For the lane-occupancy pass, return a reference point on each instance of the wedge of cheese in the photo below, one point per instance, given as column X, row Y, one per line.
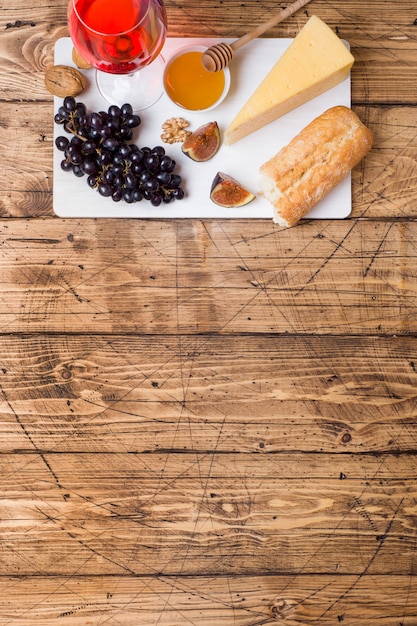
column 316, row 60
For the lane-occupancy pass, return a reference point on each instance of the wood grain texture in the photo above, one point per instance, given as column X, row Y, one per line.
column 301, row 395
column 123, row 514
column 210, row 423
column 165, row 600
column 351, row 277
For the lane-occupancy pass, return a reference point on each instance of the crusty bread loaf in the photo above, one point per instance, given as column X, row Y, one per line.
column 313, row 163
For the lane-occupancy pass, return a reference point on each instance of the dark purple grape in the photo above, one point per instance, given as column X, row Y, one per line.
column 178, row 193
column 105, row 189
column 81, row 109
column 62, row 143
column 131, row 181
column 104, row 158
column 166, row 164
column 114, row 110
column 70, row 103
column 94, row 134
column 62, row 111
column 66, row 165
column 159, row 150
column 90, row 167
column 137, row 168
column 95, row 120
column 133, row 121
column 128, row 196
column 114, row 124
column 78, row 171
column 117, row 169
column 164, row 178
column 83, row 131
column 175, row 181
column 76, row 141
column 76, row 158
column 117, row 194
column 125, row 151
column 137, row 155
column 144, row 176
column 89, row 147
column 126, row 109
column 137, row 195
column 111, row 144
column 108, row 177
column 117, row 159
column 126, row 133
column 168, row 197
column 156, row 199
column 59, row 119
column 150, row 185
column 118, row 180
column 151, row 162
column 104, row 131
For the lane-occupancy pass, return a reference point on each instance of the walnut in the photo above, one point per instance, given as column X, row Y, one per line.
column 175, row 130
column 63, row 80
column 78, row 60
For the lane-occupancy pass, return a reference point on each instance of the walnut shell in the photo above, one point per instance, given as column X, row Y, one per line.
column 78, row 60
column 63, row 80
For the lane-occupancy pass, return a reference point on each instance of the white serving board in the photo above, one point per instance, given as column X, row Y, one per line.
column 73, row 198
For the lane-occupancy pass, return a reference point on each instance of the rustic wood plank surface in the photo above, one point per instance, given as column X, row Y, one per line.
column 210, row 422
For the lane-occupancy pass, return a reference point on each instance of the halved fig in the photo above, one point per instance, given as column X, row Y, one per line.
column 228, row 192
column 203, row 143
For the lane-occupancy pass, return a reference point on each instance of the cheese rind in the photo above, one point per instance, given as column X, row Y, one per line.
column 316, row 60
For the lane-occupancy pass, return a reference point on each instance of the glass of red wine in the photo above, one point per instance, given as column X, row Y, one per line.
column 122, row 39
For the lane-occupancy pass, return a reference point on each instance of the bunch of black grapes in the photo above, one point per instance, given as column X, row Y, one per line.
column 100, row 148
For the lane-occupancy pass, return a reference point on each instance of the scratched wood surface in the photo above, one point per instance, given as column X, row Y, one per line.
column 210, row 422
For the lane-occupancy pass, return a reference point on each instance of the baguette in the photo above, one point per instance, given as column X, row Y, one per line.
column 313, row 163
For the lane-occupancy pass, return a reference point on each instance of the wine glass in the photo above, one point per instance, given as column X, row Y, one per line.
column 122, row 39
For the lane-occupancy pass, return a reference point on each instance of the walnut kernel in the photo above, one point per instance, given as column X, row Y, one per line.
column 175, row 130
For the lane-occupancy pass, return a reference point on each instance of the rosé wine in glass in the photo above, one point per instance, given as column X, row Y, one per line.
column 120, row 37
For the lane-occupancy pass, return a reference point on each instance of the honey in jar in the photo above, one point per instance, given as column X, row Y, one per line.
column 190, row 85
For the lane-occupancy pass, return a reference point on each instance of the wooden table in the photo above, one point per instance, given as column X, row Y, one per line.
column 210, row 422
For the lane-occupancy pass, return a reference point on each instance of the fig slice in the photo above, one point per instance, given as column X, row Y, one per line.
column 228, row 192
column 203, row 143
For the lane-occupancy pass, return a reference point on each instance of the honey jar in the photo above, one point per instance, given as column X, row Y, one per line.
column 189, row 85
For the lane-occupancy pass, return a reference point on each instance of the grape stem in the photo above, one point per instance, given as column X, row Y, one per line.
column 72, row 127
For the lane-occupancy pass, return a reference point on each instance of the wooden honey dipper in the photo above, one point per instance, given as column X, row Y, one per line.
column 217, row 57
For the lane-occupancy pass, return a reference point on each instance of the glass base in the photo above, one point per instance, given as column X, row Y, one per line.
column 140, row 89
